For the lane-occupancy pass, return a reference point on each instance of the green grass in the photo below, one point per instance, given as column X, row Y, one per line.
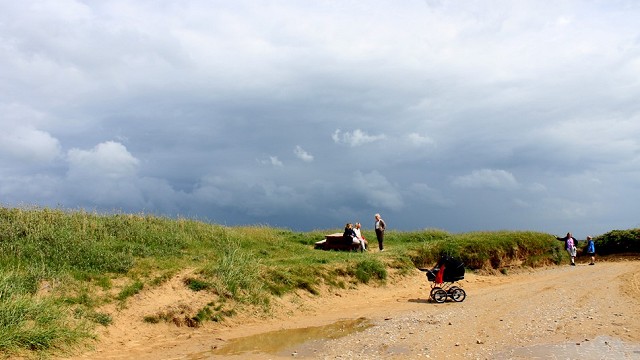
column 369, row 269
column 58, row 268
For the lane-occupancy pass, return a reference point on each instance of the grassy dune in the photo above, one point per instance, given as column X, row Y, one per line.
column 58, row 268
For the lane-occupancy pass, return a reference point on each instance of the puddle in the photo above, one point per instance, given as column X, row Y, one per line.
column 601, row 347
column 275, row 342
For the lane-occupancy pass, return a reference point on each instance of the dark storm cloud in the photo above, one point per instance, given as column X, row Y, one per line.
column 450, row 115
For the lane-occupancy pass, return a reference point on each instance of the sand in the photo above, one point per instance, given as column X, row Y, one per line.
column 582, row 311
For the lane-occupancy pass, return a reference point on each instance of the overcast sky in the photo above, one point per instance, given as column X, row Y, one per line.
column 456, row 115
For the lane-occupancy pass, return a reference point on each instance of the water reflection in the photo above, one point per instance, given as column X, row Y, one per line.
column 277, row 341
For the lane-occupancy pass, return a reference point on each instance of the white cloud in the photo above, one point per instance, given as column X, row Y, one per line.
column 29, row 144
column 109, row 160
column 419, row 140
column 302, row 154
column 487, row 178
column 355, row 138
column 273, row 161
column 106, row 176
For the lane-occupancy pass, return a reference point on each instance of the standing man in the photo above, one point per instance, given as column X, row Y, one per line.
column 380, row 226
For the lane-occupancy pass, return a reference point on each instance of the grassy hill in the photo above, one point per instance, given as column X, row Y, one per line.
column 59, row 268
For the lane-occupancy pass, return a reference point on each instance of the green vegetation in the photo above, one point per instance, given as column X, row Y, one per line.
column 489, row 250
column 58, row 269
column 618, row 242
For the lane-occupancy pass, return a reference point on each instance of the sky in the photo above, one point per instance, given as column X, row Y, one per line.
column 304, row 115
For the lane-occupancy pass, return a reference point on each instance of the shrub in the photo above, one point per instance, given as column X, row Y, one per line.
column 618, row 241
column 490, row 249
column 280, row 281
column 197, row 284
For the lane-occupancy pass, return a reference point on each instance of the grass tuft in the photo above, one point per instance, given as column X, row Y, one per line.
column 130, row 290
column 370, row 269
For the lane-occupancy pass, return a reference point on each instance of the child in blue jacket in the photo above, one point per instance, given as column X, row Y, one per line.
column 591, row 250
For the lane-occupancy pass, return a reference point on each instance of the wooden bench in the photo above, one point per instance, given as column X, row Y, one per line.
column 335, row 241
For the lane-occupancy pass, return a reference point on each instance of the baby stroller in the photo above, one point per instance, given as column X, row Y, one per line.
column 447, row 271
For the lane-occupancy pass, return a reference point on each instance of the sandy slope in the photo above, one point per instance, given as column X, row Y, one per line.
column 583, row 308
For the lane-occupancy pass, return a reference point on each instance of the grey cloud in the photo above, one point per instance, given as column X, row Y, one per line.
column 254, row 197
column 487, row 178
column 424, row 192
column 378, row 190
column 444, row 114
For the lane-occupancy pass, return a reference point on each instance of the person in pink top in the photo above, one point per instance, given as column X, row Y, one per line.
column 570, row 245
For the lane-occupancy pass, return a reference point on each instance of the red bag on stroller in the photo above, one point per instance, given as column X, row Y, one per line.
column 439, row 275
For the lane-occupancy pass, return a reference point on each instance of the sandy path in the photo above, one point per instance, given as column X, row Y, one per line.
column 583, row 306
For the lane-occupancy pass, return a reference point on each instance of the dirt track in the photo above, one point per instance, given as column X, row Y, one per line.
column 590, row 312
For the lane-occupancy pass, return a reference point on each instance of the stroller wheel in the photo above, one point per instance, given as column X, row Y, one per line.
column 439, row 296
column 433, row 290
column 457, row 294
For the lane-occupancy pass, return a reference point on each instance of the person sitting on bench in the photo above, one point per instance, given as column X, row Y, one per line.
column 348, row 234
column 363, row 241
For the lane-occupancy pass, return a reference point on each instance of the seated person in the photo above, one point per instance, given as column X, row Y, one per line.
column 363, row 241
column 349, row 235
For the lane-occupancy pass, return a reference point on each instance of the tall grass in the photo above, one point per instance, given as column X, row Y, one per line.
column 235, row 273
column 28, row 322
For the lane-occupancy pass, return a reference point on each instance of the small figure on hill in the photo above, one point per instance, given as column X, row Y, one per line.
column 570, row 246
column 380, row 226
column 591, row 250
column 363, row 241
